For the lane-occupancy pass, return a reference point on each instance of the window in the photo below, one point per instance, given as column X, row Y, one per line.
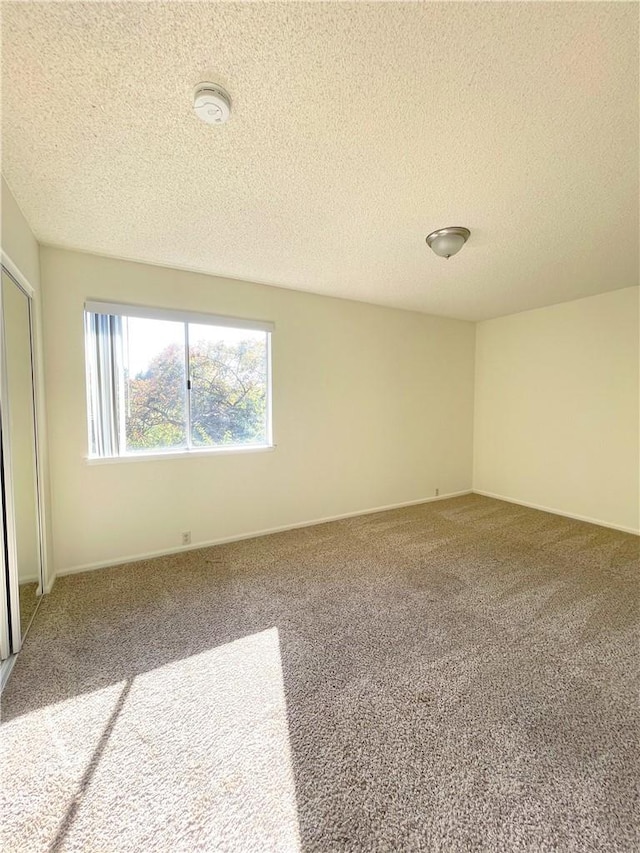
column 172, row 382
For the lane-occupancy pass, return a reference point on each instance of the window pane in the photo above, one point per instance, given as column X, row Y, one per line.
column 155, row 384
column 228, row 371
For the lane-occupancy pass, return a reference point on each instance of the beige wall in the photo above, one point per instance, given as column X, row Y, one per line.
column 17, row 239
column 556, row 408
column 371, row 407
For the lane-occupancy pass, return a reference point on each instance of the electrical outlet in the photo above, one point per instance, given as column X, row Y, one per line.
column 437, row 492
column 186, row 537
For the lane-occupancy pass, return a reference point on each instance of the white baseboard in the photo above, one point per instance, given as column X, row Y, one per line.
column 553, row 511
column 135, row 558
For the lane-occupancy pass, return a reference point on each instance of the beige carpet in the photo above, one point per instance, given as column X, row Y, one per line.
column 457, row 676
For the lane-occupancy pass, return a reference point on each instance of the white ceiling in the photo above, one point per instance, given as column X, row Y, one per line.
column 356, row 129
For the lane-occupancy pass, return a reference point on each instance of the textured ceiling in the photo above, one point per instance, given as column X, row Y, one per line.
column 356, row 129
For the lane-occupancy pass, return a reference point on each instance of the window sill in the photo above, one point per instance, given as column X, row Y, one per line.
column 180, row 454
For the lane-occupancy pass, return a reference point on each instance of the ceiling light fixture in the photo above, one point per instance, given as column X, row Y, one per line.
column 447, row 241
column 211, row 103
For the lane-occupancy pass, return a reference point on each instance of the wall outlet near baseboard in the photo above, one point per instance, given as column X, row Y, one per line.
column 437, row 492
column 186, row 537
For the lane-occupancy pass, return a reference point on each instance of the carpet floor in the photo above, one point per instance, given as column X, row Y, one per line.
column 455, row 676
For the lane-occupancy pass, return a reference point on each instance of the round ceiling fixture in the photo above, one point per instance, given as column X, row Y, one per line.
column 211, row 103
column 447, row 241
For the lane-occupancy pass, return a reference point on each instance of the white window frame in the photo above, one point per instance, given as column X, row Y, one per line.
column 150, row 313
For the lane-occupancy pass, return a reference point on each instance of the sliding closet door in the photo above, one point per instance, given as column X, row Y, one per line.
column 22, row 525
column 5, row 641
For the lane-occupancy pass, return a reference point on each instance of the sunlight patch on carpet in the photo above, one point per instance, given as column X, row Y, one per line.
column 191, row 754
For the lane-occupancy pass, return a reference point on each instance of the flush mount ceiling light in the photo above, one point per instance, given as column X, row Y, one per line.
column 211, row 103
column 447, row 241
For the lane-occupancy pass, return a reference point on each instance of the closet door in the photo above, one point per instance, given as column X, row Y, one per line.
column 21, row 520
column 5, row 623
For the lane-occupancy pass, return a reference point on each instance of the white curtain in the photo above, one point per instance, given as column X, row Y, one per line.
column 103, row 336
